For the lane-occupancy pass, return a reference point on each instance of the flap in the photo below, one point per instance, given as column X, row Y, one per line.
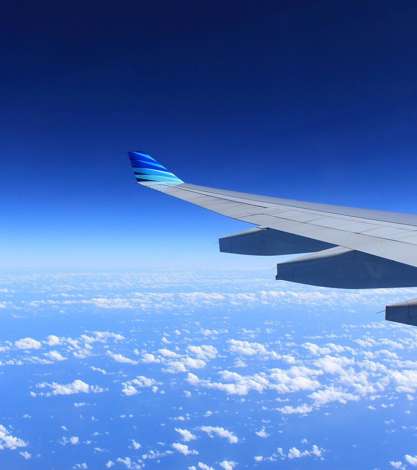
column 269, row 242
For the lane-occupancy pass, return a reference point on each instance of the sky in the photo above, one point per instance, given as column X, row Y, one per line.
column 312, row 101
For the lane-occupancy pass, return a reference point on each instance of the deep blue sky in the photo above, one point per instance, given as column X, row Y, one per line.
column 309, row 100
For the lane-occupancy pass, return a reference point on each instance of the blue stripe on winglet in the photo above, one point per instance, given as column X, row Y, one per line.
column 147, row 169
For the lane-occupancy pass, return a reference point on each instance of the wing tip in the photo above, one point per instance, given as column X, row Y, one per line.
column 149, row 170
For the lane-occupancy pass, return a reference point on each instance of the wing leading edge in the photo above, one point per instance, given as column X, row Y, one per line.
column 349, row 248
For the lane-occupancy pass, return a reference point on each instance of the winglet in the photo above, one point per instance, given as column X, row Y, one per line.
column 148, row 170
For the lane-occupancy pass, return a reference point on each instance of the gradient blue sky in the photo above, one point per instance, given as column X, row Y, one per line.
column 308, row 100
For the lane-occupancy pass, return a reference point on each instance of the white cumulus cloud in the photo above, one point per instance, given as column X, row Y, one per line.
column 72, row 388
column 121, row 358
column 27, row 343
column 131, row 387
column 8, row 441
column 183, row 449
column 228, row 464
column 204, row 352
column 185, row 434
column 220, row 432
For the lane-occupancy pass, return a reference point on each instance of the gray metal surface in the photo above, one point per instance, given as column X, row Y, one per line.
column 383, row 234
column 354, row 248
column 405, row 312
column 347, row 269
column 269, row 242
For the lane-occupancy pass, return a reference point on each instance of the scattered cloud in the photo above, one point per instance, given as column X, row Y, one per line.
column 72, row 440
column 135, row 445
column 185, row 434
column 289, row 372
column 8, row 441
column 204, row 466
column 295, row 453
column 397, row 464
column 204, row 352
column 247, row 348
column 219, row 431
column 303, row 409
column 25, row 454
column 121, row 358
column 132, row 387
column 54, row 356
column 183, row 449
column 53, row 340
column 27, row 343
column 228, row 464
column 262, row 433
column 72, row 388
column 411, row 459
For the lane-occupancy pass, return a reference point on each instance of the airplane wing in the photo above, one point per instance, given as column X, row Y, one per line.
column 346, row 247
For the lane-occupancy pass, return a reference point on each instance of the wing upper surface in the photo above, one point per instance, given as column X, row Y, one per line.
column 388, row 235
